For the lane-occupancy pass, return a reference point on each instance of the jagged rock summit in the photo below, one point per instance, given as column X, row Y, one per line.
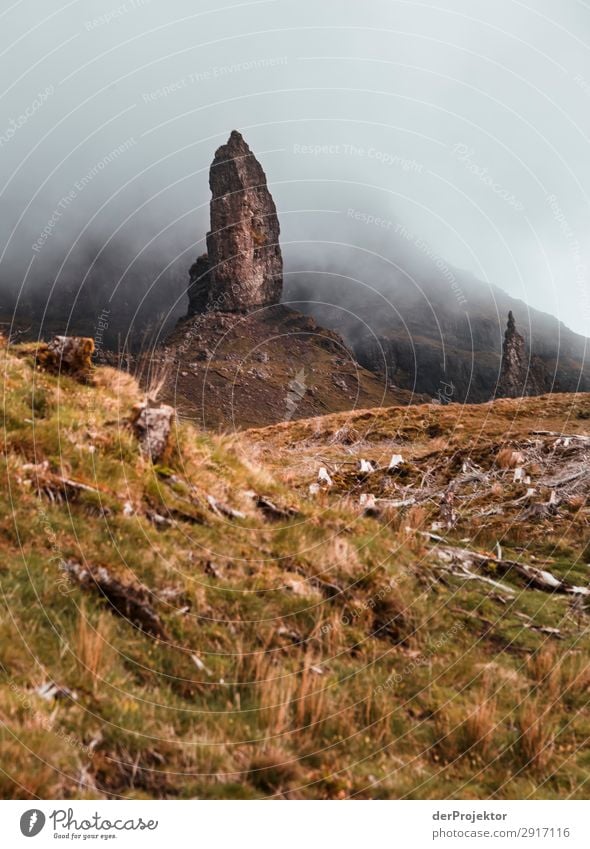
column 243, row 266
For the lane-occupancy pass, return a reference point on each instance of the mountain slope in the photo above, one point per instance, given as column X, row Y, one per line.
column 233, row 371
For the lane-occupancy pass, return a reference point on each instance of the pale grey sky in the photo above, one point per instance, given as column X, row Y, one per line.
column 468, row 120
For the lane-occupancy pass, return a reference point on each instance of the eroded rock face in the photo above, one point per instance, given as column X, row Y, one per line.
column 519, row 374
column 200, row 282
column 243, row 268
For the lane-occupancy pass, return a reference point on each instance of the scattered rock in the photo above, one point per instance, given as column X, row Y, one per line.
column 152, row 426
column 366, row 467
column 213, row 570
column 199, row 664
column 221, row 509
column 158, row 520
column 290, row 634
column 301, row 588
column 52, row 485
column 539, row 579
column 50, row 691
column 369, row 504
column 272, row 510
column 68, row 354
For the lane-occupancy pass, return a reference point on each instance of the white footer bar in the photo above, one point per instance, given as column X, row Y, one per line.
column 296, row 825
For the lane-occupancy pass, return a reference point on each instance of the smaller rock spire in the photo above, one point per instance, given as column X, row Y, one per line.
column 521, row 373
column 513, row 371
column 199, row 285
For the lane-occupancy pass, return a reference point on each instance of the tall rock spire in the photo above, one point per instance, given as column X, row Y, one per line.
column 243, row 268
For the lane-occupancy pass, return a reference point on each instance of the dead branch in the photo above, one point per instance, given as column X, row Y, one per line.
column 127, row 600
column 539, row 579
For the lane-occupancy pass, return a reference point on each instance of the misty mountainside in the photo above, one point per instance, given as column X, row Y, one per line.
column 433, row 331
column 404, row 311
column 431, row 328
column 125, row 299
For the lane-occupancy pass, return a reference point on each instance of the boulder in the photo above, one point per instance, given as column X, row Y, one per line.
column 69, row 354
column 152, row 426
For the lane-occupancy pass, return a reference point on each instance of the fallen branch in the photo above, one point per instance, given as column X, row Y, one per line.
column 272, row 510
column 223, row 509
column 537, row 578
column 54, row 486
column 127, row 600
column 469, row 576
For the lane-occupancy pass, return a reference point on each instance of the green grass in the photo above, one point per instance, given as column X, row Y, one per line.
column 392, row 685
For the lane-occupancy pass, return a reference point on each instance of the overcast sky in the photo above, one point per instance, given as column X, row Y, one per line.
column 467, row 120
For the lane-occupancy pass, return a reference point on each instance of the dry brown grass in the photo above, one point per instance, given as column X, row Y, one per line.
column 313, row 732
column 92, row 647
column 328, row 633
column 544, row 668
column 338, row 558
column 40, row 782
column 536, row 735
column 471, row 735
column 121, row 383
column 374, row 716
column 275, row 695
column 575, row 678
column 412, row 524
column 479, row 728
column 311, row 706
column 507, row 458
column 416, row 518
column 394, row 617
column 273, row 771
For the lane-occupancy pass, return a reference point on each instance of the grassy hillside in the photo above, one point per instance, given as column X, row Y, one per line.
column 212, row 628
